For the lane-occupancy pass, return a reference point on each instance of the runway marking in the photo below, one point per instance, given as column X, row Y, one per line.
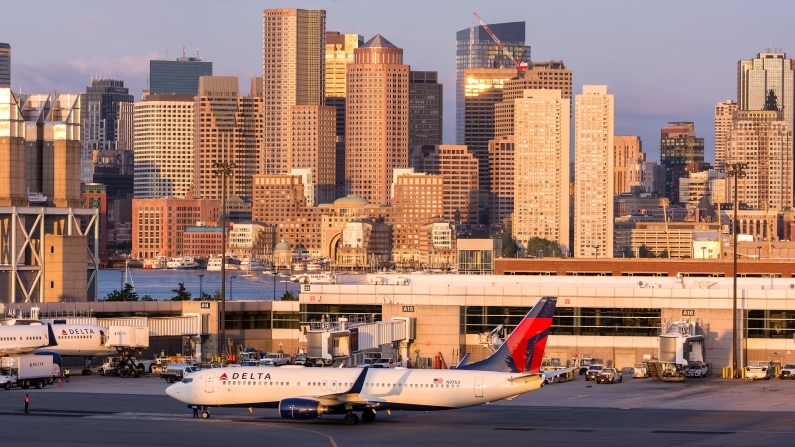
column 695, row 432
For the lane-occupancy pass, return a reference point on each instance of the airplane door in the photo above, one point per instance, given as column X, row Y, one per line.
column 324, row 385
column 208, row 383
column 478, row 386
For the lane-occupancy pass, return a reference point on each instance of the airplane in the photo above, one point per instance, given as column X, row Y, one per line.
column 80, row 340
column 309, row 393
column 15, row 340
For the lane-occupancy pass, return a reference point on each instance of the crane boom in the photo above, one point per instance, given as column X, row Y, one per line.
column 521, row 66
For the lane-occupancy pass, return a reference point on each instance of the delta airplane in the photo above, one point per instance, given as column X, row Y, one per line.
column 308, row 393
column 80, row 340
column 15, row 340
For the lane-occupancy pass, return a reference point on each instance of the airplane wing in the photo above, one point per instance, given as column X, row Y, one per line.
column 351, row 396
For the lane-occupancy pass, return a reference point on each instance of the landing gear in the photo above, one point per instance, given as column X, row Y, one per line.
column 368, row 415
column 206, row 414
column 351, row 419
column 86, row 372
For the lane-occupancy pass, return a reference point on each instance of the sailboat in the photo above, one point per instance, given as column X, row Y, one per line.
column 127, row 276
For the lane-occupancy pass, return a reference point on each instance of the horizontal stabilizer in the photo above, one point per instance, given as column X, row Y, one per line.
column 526, row 378
column 557, row 372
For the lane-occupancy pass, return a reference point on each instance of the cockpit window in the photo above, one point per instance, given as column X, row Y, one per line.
column 187, row 380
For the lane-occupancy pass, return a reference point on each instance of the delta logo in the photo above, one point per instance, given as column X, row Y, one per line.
column 223, row 377
column 63, row 332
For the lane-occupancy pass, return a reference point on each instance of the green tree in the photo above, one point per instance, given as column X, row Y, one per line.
column 206, row 297
column 181, row 292
column 545, row 246
column 644, row 252
column 627, row 251
column 508, row 244
column 664, row 254
column 126, row 294
column 289, row 296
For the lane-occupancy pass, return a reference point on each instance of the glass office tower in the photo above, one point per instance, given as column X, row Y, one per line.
column 179, row 77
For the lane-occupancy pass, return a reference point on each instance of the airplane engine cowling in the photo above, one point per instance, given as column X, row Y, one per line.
column 301, row 409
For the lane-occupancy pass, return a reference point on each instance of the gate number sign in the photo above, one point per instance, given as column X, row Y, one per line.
column 688, row 313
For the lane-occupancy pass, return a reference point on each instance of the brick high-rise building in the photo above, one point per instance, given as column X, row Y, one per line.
column 762, row 139
column 459, row 170
column 502, row 154
column 551, row 75
column 593, row 177
column 159, row 224
column 376, row 132
column 724, row 112
column 293, row 69
column 164, row 147
column 628, row 154
column 679, row 147
column 313, row 146
column 339, row 53
column 425, row 108
column 228, row 129
column 541, row 178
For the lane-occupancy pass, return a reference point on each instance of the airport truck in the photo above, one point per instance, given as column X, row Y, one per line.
column 26, row 371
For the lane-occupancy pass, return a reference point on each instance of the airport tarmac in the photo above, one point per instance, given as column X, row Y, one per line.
column 97, row 410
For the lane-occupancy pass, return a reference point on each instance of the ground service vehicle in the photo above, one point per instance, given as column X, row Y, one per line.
column 699, row 370
column 593, row 371
column 300, row 359
column 309, row 393
column 175, row 372
column 586, row 362
column 758, row 370
column 640, row 371
column 278, row 359
column 609, row 375
column 124, row 367
column 25, row 371
column 385, row 362
column 787, row 372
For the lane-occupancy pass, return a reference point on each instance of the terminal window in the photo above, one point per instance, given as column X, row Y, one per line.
column 771, row 323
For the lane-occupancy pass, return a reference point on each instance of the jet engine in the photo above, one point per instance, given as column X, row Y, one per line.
column 301, row 409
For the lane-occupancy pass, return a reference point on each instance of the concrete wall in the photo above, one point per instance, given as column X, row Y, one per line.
column 65, row 275
column 439, row 329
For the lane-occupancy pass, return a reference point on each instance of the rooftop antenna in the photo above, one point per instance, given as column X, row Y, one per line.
column 199, row 53
column 183, row 52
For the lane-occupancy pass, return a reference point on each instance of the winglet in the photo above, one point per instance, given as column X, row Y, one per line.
column 359, row 384
column 464, row 360
column 51, row 335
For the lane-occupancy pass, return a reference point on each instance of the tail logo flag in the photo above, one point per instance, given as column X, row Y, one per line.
column 523, row 351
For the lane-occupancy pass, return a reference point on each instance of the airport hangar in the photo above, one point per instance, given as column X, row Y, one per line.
column 611, row 309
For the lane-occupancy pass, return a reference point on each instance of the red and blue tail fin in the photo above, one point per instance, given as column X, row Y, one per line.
column 523, row 351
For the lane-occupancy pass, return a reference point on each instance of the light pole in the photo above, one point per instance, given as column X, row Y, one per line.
column 232, row 287
column 758, row 252
column 539, row 253
column 736, row 170
column 201, row 295
column 223, row 170
column 703, row 253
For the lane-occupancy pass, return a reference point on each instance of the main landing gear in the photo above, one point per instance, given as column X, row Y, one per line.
column 351, row 419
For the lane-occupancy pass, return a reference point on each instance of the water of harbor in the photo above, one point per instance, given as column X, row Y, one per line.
column 159, row 283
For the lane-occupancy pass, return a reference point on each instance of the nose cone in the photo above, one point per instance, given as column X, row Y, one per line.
column 173, row 390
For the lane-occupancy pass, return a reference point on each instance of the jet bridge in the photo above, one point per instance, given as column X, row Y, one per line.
column 329, row 340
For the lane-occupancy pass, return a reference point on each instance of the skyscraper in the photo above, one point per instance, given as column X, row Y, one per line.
column 293, row 68
column 227, row 130
column 425, row 108
column 679, row 147
column 483, row 90
column 179, row 77
column 376, row 127
column 164, row 150
column 762, row 139
column 313, row 147
column 768, row 71
column 5, row 65
column 541, row 179
column 474, row 48
column 724, row 111
column 339, row 53
column 544, row 75
column 593, row 177
column 628, row 154
column 100, row 109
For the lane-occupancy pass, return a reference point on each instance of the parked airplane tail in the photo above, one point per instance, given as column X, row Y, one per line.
column 52, row 341
column 523, row 351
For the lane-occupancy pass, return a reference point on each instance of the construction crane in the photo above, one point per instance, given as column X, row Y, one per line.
column 521, row 67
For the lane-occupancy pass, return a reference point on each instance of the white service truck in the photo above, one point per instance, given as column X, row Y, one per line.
column 25, row 371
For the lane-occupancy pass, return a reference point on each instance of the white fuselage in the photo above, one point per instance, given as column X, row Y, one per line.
column 398, row 388
column 80, row 340
column 22, row 339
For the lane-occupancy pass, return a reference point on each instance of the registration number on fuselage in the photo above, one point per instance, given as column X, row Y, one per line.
column 454, row 382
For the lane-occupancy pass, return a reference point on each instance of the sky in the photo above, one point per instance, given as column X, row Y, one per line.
column 663, row 61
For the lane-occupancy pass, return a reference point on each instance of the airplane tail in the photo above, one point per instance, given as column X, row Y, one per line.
column 523, row 351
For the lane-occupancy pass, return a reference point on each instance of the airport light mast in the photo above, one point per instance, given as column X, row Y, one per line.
column 736, row 170
column 223, row 170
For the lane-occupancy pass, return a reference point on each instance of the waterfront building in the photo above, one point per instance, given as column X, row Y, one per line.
column 475, row 49
column 459, row 169
column 679, row 147
column 593, row 178
column 228, row 129
column 724, row 113
column 164, row 146
column 365, row 243
column 178, row 77
column 425, row 108
column 376, row 134
column 293, row 69
column 541, row 177
column 159, row 224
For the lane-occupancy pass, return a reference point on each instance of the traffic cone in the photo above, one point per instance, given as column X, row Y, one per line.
column 59, row 383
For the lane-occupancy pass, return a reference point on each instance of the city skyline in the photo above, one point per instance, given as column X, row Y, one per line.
column 635, row 57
